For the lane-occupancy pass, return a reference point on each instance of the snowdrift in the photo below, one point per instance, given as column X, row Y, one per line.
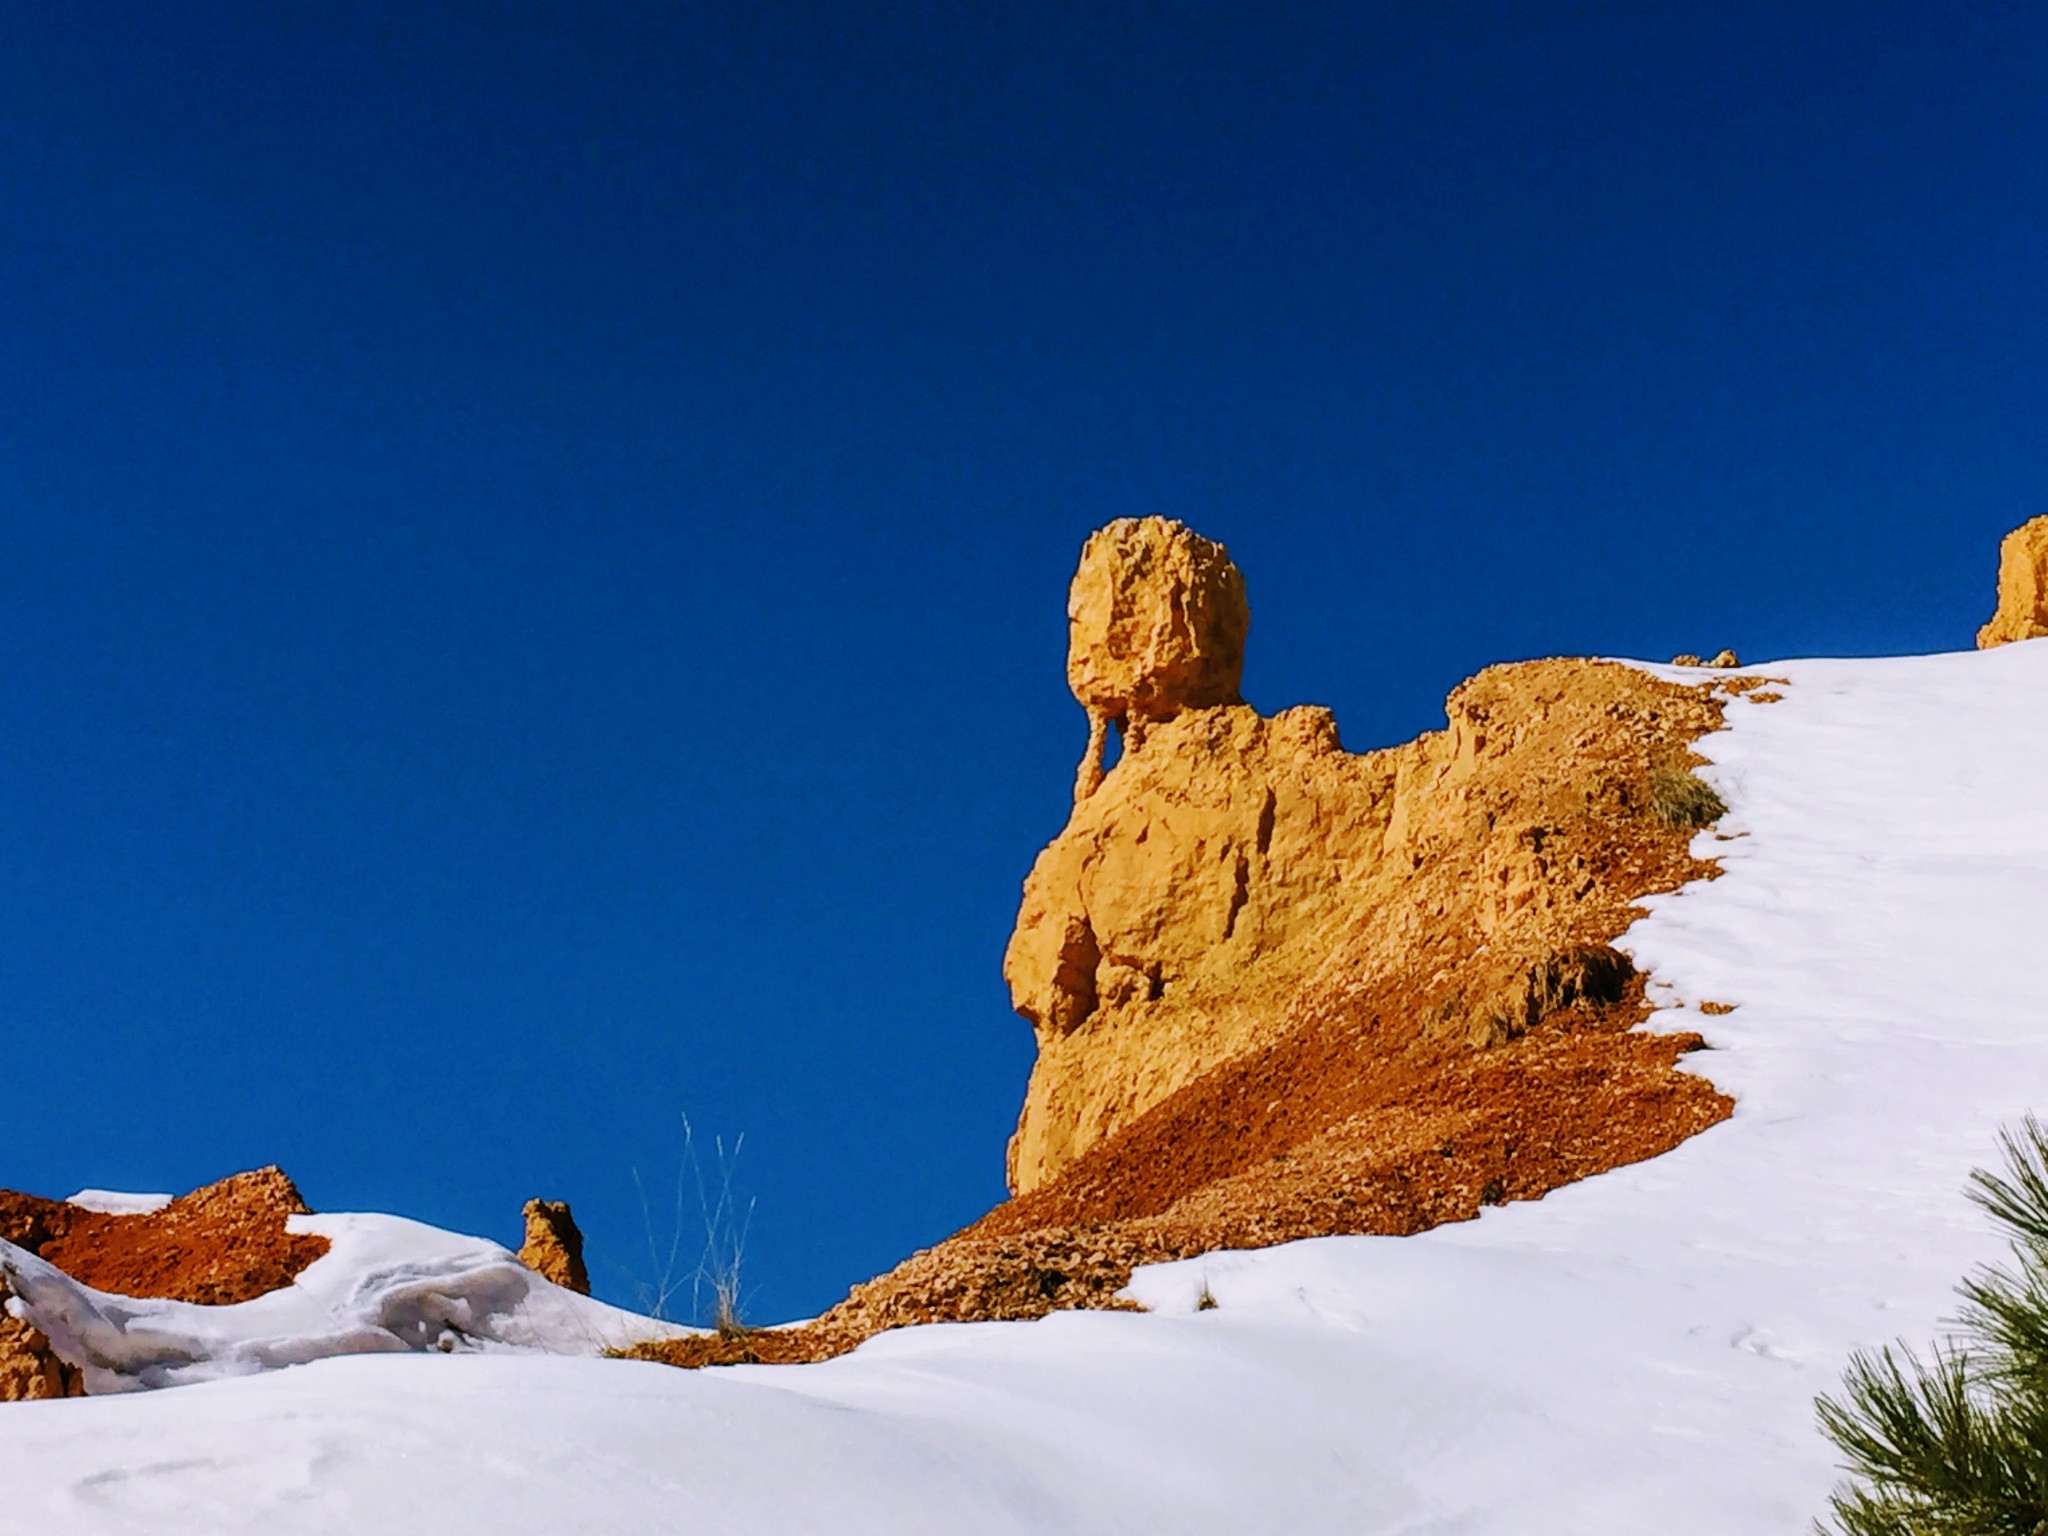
column 385, row 1285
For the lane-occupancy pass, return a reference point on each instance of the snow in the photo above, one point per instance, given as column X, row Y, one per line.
column 1637, row 1352
column 384, row 1285
column 114, row 1202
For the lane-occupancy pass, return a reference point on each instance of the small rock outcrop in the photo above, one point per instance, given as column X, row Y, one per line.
column 553, row 1248
column 1156, row 624
column 2022, row 612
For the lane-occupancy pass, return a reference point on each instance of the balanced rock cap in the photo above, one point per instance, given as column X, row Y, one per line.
column 1156, row 622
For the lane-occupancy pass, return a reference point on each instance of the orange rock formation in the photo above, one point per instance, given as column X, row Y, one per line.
column 29, row 1368
column 2022, row 612
column 1231, row 860
column 1156, row 624
column 553, row 1248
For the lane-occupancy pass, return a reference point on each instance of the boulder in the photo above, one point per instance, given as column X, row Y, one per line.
column 1156, row 624
column 29, row 1368
column 2022, row 587
column 553, row 1248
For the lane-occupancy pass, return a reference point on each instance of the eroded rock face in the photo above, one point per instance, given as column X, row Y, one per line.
column 1210, row 843
column 1156, row 624
column 553, row 1248
column 2022, row 587
column 1231, row 865
column 1218, row 841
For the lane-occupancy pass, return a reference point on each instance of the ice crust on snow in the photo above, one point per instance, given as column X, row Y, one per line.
column 384, row 1285
column 114, row 1202
column 1636, row 1352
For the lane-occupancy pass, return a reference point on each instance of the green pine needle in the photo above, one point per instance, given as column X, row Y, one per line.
column 1957, row 1445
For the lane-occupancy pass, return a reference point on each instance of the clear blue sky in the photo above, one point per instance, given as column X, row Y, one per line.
column 536, row 535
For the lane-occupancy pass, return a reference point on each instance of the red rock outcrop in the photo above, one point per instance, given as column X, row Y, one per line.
column 2022, row 612
column 223, row 1243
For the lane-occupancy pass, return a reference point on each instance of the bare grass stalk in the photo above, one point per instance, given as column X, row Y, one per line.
column 715, row 1283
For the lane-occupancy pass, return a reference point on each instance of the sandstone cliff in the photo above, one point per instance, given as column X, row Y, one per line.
column 2022, row 612
column 1231, row 865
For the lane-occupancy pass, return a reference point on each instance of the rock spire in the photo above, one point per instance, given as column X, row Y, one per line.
column 1156, row 624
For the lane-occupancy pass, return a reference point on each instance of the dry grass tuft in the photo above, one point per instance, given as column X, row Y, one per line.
column 1582, row 976
column 1681, row 798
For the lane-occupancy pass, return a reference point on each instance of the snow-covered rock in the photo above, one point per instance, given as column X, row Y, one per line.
column 114, row 1202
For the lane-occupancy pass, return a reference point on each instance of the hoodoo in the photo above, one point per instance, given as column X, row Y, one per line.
column 553, row 1248
column 1235, row 871
column 1156, row 624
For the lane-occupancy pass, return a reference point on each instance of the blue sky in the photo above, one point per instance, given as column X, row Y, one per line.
column 536, row 536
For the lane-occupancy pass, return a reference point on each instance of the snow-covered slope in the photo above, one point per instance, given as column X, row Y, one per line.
column 1635, row 1353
